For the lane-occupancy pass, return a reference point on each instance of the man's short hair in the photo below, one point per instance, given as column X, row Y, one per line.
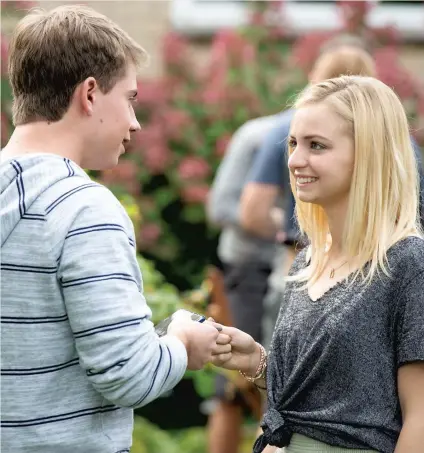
column 52, row 52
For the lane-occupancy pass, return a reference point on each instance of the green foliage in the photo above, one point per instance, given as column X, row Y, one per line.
column 148, row 438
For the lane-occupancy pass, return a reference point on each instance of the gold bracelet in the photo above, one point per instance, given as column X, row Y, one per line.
column 260, row 372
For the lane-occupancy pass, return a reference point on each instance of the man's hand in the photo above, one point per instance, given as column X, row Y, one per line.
column 245, row 353
column 200, row 340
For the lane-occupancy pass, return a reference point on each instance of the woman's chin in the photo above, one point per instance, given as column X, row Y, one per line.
column 306, row 197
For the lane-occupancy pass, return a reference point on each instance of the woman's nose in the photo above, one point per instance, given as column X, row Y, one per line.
column 298, row 158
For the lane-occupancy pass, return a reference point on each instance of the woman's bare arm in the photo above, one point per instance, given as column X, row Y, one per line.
column 411, row 395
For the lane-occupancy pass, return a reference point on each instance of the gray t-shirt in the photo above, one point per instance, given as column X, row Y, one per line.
column 332, row 372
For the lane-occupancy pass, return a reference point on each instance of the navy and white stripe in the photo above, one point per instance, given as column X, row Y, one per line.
column 33, row 320
column 119, row 364
column 99, row 227
column 29, row 269
column 108, row 327
column 170, row 363
column 58, row 417
column 97, row 278
column 38, row 370
column 21, row 191
column 67, row 194
column 71, row 171
column 153, row 380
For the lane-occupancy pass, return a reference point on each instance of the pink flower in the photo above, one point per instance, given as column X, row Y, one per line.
column 306, row 49
column 174, row 49
column 149, row 135
column 149, row 234
column 248, row 54
column 151, row 93
column 257, row 18
column 353, row 13
column 156, row 158
column 175, row 122
column 124, row 175
column 193, row 168
column 4, row 54
column 195, row 194
column 214, row 95
column 17, row 5
column 222, row 145
column 229, row 49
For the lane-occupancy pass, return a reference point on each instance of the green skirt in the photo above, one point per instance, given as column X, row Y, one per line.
column 303, row 444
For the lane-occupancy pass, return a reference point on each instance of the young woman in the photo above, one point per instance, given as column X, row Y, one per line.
column 345, row 371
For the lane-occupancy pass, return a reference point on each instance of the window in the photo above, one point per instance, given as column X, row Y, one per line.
column 204, row 17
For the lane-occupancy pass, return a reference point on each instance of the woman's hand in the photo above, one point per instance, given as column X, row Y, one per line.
column 244, row 355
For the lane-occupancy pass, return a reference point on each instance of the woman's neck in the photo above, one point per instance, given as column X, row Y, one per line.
column 336, row 221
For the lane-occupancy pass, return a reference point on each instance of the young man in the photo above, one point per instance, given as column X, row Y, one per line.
column 78, row 349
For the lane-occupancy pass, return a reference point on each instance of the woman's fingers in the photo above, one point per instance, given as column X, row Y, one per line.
column 221, row 359
column 223, row 339
column 221, row 349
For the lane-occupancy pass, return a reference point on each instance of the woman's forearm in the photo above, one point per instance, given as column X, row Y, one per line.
column 411, row 439
column 260, row 384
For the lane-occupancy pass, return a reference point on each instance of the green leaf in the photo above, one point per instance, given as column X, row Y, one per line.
column 194, row 213
column 204, row 383
column 164, row 196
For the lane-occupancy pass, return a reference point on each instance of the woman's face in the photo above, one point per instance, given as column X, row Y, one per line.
column 323, row 155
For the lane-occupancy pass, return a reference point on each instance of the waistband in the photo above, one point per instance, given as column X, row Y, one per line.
column 304, row 444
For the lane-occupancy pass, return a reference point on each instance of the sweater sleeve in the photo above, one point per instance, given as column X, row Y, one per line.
column 224, row 198
column 101, row 283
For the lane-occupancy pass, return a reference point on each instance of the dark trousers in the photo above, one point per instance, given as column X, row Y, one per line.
column 245, row 287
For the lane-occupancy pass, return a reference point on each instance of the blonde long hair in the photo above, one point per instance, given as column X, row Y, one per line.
column 383, row 200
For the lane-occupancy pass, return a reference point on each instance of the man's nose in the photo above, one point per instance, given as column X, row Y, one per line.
column 135, row 125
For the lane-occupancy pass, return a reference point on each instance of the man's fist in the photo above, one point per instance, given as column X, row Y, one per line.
column 198, row 338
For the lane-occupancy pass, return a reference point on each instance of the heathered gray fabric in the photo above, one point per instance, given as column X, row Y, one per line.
column 333, row 363
column 78, row 349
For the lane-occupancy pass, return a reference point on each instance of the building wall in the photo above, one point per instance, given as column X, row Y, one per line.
column 145, row 20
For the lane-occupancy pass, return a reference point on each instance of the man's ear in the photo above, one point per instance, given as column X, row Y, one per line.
column 87, row 94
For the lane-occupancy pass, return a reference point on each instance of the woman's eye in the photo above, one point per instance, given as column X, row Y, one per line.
column 292, row 143
column 317, row 146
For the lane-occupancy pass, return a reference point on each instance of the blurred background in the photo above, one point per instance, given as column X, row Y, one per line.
column 213, row 66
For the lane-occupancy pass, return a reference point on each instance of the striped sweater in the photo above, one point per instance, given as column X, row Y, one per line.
column 78, row 349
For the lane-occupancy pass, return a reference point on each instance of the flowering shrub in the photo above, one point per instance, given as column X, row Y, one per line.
column 385, row 43
column 189, row 115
